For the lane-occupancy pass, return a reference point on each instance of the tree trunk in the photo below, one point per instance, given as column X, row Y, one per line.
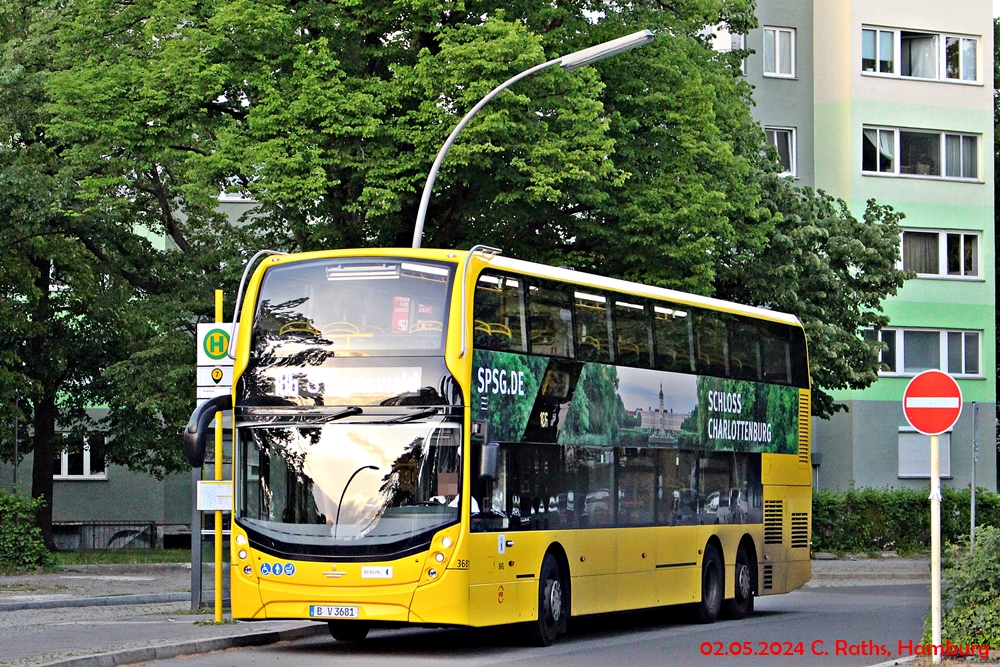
column 44, row 423
column 45, row 370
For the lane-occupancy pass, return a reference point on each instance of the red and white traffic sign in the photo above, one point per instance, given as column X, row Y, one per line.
column 932, row 402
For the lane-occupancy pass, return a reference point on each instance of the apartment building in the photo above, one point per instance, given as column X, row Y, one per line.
column 893, row 100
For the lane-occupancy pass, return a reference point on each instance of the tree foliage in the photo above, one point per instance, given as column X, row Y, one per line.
column 21, row 543
column 122, row 120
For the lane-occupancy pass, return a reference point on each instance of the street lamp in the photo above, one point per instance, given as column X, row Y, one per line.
column 570, row 62
column 344, row 492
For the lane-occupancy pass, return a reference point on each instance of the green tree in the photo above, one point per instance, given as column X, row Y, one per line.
column 60, row 326
column 74, row 287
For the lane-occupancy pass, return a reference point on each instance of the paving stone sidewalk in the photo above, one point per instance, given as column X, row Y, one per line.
column 870, row 571
column 105, row 633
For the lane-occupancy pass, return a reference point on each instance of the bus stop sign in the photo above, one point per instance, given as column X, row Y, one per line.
column 932, row 402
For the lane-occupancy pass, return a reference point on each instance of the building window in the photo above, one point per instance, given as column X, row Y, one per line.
column 918, row 55
column 961, row 156
column 724, row 41
column 912, row 351
column 783, row 140
column 879, row 150
column 915, row 454
column 739, row 43
column 779, row 52
column 960, row 58
column 79, row 457
column 920, row 153
column 943, row 254
column 921, row 55
column 878, row 50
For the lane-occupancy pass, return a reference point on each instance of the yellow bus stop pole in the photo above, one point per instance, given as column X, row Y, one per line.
column 218, row 477
column 936, row 548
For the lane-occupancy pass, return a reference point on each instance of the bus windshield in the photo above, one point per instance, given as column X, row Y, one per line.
column 359, row 489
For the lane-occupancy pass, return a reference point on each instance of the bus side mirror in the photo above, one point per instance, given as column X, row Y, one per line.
column 197, row 427
column 488, row 460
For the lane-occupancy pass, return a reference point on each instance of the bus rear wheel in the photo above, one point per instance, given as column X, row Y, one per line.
column 712, row 585
column 349, row 631
column 552, row 605
column 742, row 604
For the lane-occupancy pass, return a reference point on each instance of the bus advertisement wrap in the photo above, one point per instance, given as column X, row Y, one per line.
column 528, row 398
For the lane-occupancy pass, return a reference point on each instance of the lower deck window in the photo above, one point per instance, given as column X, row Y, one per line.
column 549, row 487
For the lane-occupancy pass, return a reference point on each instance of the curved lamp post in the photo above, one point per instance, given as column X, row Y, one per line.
column 570, row 62
column 344, row 492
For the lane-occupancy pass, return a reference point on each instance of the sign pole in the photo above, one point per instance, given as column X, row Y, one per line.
column 932, row 403
column 936, row 545
column 16, row 405
column 196, row 555
column 218, row 477
column 975, row 457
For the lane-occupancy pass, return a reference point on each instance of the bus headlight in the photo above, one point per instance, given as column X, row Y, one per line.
column 432, row 573
column 242, row 554
column 446, row 542
column 241, row 539
column 439, row 557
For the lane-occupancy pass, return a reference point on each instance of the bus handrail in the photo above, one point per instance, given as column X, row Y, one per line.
column 489, row 252
column 239, row 296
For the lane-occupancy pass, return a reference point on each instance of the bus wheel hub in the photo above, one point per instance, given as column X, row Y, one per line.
column 555, row 600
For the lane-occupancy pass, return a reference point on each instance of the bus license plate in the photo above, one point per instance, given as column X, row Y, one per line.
column 323, row 611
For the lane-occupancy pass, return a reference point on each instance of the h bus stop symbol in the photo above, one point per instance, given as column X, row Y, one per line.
column 216, row 344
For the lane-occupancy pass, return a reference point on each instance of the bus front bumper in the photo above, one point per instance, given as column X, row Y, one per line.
column 441, row 602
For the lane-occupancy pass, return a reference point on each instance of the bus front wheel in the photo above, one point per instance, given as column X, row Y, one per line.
column 712, row 585
column 348, row 631
column 552, row 607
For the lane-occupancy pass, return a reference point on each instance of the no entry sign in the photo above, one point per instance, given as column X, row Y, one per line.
column 932, row 402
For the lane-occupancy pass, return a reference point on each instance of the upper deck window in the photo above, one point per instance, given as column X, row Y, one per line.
column 550, row 320
column 589, row 324
column 498, row 317
column 355, row 307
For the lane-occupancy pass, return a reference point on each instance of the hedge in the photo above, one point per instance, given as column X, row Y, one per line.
column 21, row 544
column 869, row 520
column 971, row 595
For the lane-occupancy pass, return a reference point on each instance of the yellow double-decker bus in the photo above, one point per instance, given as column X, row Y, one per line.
column 451, row 438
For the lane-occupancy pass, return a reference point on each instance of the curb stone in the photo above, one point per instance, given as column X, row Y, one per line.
column 122, row 567
column 197, row 646
column 151, row 598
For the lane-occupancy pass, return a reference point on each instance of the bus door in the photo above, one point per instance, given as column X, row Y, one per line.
column 493, row 591
column 678, row 571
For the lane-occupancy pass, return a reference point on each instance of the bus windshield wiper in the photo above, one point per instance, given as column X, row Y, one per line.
column 416, row 415
column 294, row 413
column 346, row 412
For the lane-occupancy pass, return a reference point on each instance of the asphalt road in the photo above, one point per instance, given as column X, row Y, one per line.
column 806, row 623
